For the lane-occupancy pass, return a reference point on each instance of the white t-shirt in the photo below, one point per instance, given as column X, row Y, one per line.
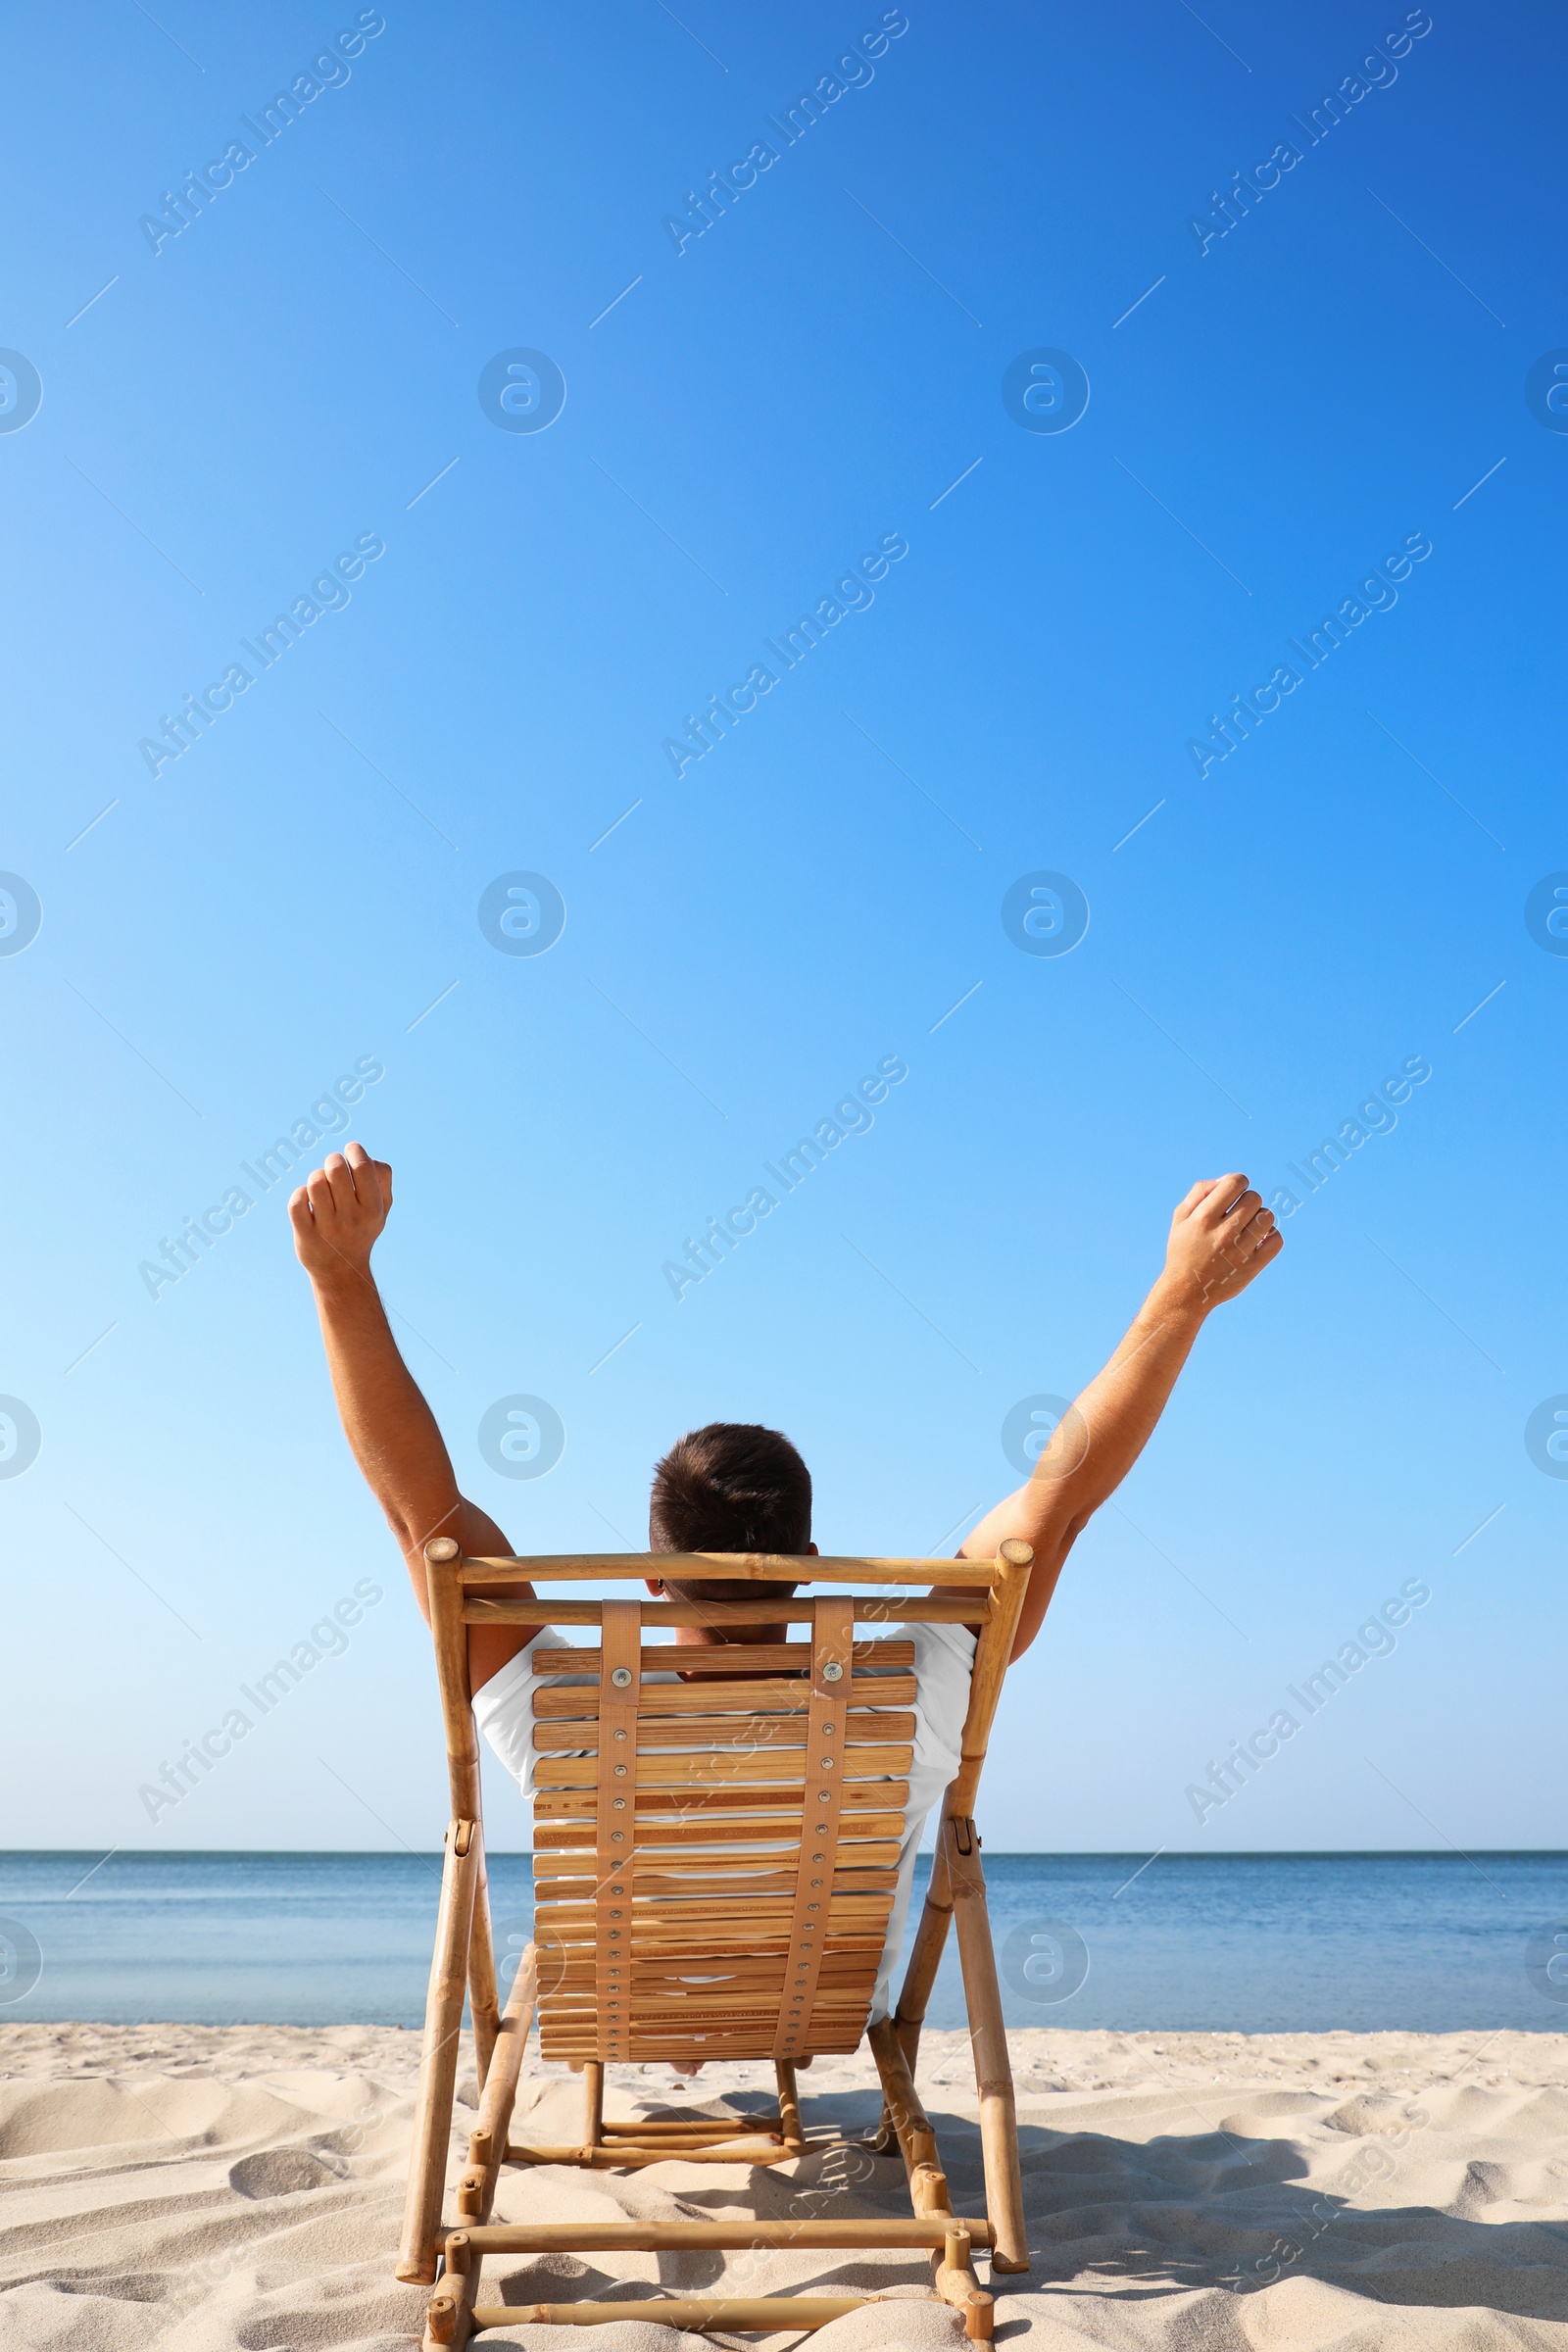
column 944, row 1658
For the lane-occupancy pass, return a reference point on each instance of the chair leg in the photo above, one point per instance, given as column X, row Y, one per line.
column 925, row 1958
column 449, row 2315
column 789, row 2105
column 484, row 2005
column 593, row 2093
column 951, row 2270
column 438, row 2059
column 988, row 2036
column 487, row 2143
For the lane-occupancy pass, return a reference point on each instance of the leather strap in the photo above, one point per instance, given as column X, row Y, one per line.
column 832, row 1652
column 619, row 1685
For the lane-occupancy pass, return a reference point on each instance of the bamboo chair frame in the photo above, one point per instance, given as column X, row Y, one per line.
column 986, row 1595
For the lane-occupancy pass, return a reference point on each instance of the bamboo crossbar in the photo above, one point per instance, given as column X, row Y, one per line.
column 652, row 2237
column 717, row 1836
column 870, row 1609
column 726, row 1567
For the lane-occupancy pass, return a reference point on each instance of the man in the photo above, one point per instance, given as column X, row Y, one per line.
column 740, row 1487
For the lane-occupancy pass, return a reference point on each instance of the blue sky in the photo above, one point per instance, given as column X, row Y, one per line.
column 1272, row 413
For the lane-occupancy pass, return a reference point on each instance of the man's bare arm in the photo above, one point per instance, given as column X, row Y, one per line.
column 1221, row 1237
column 337, row 1218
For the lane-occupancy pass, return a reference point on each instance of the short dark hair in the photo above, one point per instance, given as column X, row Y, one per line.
column 730, row 1486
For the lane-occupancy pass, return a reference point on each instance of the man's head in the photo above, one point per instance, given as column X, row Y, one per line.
column 731, row 1487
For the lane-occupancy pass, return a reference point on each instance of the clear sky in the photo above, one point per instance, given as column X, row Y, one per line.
column 535, row 598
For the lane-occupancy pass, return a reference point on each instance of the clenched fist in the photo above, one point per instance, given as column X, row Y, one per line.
column 338, row 1212
column 1220, row 1237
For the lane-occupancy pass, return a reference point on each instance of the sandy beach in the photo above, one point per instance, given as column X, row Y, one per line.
column 237, row 2188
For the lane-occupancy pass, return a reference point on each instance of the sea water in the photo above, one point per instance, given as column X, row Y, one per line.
column 1246, row 1943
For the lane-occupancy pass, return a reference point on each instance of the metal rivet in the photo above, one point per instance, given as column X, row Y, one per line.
column 622, row 1677
column 618, row 1735
column 832, row 1672
column 620, row 1771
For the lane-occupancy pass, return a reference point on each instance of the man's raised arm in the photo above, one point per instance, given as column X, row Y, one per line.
column 337, row 1218
column 1220, row 1237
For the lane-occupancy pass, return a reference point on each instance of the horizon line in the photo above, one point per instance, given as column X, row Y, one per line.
column 307, row 1853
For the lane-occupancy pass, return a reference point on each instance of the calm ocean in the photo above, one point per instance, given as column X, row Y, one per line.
column 1251, row 1943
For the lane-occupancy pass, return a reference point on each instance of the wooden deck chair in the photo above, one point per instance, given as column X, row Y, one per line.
column 713, row 1870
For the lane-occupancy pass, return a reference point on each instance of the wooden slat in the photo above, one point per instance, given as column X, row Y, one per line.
column 691, row 1957
column 770, row 1695
column 870, row 1854
column 722, row 2028
column 792, row 1765
column 728, row 1567
column 576, row 2009
column 840, row 2027
column 843, row 1973
column 564, row 1921
column 691, row 1960
column 730, row 1657
column 859, row 1797
column 667, row 2011
column 686, row 2022
column 737, row 1830
column 736, row 2042
column 713, row 1946
column 728, row 1914
column 722, row 2024
column 669, row 2006
column 667, row 2003
column 573, row 2030
column 680, row 1919
column 845, row 1963
column 864, row 1727
column 722, row 1974
column 699, row 1884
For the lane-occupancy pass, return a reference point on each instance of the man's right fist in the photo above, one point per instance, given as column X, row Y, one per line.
column 338, row 1212
column 1220, row 1237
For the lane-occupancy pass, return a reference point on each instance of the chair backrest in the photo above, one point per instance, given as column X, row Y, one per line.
column 715, row 1851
